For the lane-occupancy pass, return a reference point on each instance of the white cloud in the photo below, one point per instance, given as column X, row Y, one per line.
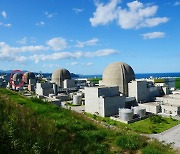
column 26, row 40
column 22, row 41
column 91, row 42
column 177, row 3
column 88, row 64
column 41, row 23
column 72, row 63
column 51, row 65
column 77, row 10
column 5, row 25
column 72, row 55
column 136, row 15
column 105, row 13
column 12, row 57
column 19, row 54
column 5, row 48
column 49, row 15
column 153, row 35
column 13, row 53
column 57, row 43
column 4, row 14
column 33, row 40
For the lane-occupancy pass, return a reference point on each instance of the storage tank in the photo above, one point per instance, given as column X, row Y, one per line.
column 77, row 99
column 141, row 112
column 125, row 114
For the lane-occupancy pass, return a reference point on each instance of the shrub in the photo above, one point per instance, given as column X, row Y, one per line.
column 130, row 142
column 155, row 147
column 151, row 150
column 157, row 119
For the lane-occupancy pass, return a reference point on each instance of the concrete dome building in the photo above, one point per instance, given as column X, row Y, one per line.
column 60, row 75
column 118, row 74
column 17, row 77
column 29, row 75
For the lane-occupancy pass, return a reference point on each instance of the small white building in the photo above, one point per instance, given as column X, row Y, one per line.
column 173, row 110
column 152, row 107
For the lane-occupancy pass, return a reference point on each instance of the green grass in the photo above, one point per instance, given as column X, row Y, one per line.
column 34, row 126
column 151, row 126
column 70, row 104
column 155, row 148
column 95, row 80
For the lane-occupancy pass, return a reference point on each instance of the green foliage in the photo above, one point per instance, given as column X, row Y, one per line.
column 95, row 80
column 132, row 142
column 156, row 147
column 157, row 119
column 37, row 100
column 34, row 126
column 154, row 124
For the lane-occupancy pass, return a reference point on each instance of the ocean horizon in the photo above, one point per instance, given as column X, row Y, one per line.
column 140, row 75
column 137, row 75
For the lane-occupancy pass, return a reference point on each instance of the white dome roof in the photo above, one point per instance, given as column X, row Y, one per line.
column 60, row 75
column 29, row 75
column 118, row 74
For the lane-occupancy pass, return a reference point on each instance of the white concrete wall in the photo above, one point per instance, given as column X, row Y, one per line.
column 91, row 100
column 44, row 89
column 108, row 91
column 103, row 105
column 172, row 110
column 139, row 90
column 112, row 105
column 171, row 101
column 151, row 108
column 69, row 83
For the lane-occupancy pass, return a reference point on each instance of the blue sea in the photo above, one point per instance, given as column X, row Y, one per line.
column 139, row 75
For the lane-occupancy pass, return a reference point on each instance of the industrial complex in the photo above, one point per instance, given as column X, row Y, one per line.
column 118, row 95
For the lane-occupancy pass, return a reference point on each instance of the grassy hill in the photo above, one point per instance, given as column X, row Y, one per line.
column 33, row 126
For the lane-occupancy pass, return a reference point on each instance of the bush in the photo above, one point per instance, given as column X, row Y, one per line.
column 52, row 130
column 157, row 119
column 151, row 150
column 130, row 142
column 156, row 147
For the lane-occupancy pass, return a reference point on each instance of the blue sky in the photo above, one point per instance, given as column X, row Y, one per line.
column 85, row 36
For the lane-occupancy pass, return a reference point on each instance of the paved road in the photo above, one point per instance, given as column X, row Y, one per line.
column 170, row 136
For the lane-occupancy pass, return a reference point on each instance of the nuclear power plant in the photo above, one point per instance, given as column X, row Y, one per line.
column 119, row 95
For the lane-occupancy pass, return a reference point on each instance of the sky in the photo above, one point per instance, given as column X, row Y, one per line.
column 84, row 36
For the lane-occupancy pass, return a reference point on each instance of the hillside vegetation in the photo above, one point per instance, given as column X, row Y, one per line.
column 34, row 126
column 151, row 125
